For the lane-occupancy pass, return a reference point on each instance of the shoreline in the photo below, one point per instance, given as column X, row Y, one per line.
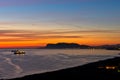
column 101, row 70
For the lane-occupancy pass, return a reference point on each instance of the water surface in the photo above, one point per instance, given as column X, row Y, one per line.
column 44, row 60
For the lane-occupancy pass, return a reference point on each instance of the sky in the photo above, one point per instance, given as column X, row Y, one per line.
column 25, row 23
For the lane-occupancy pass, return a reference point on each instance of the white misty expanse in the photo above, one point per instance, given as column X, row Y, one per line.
column 44, row 60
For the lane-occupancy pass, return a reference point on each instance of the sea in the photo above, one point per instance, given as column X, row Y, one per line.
column 46, row 60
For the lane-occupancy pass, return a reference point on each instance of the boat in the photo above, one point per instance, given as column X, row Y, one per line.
column 18, row 51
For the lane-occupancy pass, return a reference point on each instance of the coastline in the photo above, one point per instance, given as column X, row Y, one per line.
column 102, row 70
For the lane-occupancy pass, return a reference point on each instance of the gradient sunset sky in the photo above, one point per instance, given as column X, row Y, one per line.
column 38, row 22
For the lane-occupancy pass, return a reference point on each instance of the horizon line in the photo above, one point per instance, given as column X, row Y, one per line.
column 35, row 47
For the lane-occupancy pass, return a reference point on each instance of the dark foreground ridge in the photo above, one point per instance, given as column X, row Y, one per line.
column 102, row 70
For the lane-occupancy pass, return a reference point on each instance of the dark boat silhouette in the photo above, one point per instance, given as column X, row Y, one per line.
column 18, row 51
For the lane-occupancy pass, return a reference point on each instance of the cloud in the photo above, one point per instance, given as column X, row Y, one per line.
column 60, row 36
column 21, row 35
column 13, row 39
column 85, row 31
column 27, row 35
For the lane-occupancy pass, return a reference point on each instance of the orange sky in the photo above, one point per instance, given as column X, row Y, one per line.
column 40, row 36
column 27, row 38
column 26, row 23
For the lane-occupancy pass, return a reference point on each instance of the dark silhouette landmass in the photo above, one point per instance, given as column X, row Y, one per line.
column 110, row 47
column 78, row 46
column 66, row 45
column 102, row 70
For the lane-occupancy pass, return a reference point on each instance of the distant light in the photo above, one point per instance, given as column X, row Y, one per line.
column 110, row 67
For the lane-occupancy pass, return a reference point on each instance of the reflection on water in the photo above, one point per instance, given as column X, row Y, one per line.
column 41, row 60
